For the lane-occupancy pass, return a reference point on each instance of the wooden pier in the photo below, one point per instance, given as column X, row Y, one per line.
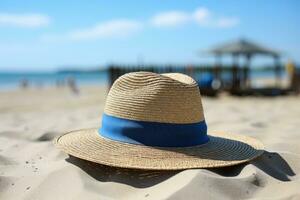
column 211, row 79
column 235, row 79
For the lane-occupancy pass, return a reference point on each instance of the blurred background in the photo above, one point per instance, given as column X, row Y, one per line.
column 58, row 59
column 242, row 47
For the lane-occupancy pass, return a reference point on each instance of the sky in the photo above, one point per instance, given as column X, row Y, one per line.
column 50, row 35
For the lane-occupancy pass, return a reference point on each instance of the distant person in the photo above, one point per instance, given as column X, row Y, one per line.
column 294, row 76
column 190, row 70
column 71, row 82
column 24, row 84
column 290, row 67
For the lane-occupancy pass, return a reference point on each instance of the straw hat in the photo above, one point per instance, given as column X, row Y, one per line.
column 156, row 121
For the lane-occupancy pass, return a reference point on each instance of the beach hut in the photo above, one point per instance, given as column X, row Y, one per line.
column 247, row 49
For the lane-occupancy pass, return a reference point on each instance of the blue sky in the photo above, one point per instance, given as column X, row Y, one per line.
column 45, row 36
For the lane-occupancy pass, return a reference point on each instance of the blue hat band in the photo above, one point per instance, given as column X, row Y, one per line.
column 153, row 133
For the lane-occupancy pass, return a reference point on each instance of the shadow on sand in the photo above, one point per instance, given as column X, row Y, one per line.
column 270, row 163
column 134, row 177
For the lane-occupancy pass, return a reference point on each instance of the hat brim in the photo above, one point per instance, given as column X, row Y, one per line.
column 223, row 149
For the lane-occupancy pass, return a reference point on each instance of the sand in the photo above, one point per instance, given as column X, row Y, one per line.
column 32, row 168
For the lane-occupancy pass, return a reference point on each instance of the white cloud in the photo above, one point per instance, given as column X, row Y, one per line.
column 171, row 18
column 110, row 29
column 121, row 28
column 114, row 28
column 24, row 20
column 202, row 16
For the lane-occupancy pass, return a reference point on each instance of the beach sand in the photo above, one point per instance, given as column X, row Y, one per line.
column 32, row 168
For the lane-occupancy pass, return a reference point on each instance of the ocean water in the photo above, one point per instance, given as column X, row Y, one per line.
column 10, row 81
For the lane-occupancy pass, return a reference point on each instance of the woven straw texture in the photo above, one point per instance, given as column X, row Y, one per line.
column 222, row 150
column 146, row 96
column 166, row 98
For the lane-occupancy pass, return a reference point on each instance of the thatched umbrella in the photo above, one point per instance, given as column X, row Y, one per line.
column 248, row 49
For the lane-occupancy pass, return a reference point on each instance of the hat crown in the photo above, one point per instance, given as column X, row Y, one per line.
column 151, row 97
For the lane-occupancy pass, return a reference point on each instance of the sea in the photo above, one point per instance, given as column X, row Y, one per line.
column 12, row 80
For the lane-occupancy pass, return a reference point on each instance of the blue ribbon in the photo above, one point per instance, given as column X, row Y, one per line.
column 153, row 133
